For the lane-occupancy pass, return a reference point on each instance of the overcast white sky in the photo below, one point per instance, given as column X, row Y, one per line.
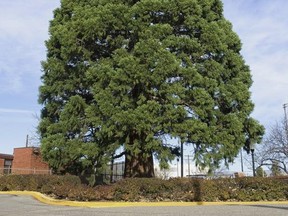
column 261, row 25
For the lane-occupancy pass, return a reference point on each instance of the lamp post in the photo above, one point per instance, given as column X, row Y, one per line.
column 241, row 155
column 252, row 148
column 182, row 164
column 177, row 166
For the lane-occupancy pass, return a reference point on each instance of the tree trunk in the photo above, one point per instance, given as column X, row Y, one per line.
column 139, row 166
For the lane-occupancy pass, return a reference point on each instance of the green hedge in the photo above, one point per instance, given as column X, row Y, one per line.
column 43, row 183
column 176, row 189
column 239, row 189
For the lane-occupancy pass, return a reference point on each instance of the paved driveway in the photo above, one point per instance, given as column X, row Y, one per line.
column 15, row 205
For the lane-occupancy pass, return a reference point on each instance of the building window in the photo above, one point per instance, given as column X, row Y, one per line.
column 7, row 166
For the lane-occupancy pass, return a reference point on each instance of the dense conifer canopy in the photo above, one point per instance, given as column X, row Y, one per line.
column 130, row 74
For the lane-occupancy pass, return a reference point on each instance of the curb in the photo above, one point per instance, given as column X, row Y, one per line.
column 50, row 201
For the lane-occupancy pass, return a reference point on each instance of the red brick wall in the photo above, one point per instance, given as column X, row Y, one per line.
column 28, row 160
column 37, row 162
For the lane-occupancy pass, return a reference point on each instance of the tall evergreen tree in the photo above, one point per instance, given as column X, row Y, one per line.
column 129, row 74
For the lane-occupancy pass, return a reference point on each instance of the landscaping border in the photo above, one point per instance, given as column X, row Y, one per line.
column 50, row 201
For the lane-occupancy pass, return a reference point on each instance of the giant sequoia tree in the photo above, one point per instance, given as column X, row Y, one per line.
column 128, row 74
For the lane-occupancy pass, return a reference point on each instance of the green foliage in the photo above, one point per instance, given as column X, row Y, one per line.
column 257, row 189
column 128, row 73
column 275, row 168
column 42, row 183
column 142, row 189
column 152, row 189
column 239, row 189
column 260, row 172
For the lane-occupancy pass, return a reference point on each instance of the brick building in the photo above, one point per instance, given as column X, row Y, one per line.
column 28, row 160
column 5, row 163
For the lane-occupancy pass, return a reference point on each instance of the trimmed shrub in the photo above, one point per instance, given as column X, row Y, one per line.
column 152, row 189
column 42, row 183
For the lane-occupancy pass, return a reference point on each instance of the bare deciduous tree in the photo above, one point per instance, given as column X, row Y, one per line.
column 274, row 148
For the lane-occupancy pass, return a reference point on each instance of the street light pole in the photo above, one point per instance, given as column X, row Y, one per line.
column 252, row 149
column 241, row 155
column 178, row 167
column 182, row 159
column 253, row 162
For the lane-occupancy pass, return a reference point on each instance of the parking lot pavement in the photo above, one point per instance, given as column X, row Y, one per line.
column 16, row 205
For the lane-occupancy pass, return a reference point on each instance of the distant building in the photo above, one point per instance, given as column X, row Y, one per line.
column 26, row 160
column 189, row 170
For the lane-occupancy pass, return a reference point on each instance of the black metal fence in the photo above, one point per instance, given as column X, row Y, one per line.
column 6, row 171
column 114, row 172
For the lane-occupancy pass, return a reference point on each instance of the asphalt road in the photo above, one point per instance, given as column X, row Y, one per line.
column 15, row 205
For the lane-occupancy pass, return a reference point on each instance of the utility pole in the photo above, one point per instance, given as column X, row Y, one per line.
column 285, row 115
column 188, row 165
column 27, row 141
